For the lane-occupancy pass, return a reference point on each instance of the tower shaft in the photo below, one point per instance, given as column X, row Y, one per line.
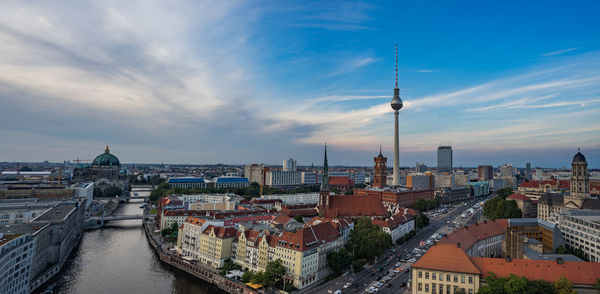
column 396, row 179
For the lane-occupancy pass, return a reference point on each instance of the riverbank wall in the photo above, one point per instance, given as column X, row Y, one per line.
column 206, row 273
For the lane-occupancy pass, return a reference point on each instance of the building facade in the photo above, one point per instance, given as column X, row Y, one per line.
column 444, row 159
column 485, row 172
column 581, row 230
column 187, row 182
column 16, row 254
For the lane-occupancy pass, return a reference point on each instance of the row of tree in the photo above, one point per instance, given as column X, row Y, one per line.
column 140, row 180
column 514, row 284
column 366, row 242
column 423, row 205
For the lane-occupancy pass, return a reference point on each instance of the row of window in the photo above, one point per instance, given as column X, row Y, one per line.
column 449, row 277
column 439, row 288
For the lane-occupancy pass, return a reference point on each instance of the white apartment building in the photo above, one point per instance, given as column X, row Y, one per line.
column 293, row 199
column 581, row 229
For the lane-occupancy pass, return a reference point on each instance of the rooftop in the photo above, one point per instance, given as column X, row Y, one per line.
column 185, row 180
column 57, row 213
column 447, row 257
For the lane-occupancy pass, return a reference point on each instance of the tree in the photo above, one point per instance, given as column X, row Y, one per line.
column 499, row 208
column 274, row 272
column 460, row 291
column 367, row 240
column 247, row 276
column 539, row 287
column 515, row 285
column 299, row 218
column 597, row 285
column 229, row 266
column 505, row 192
column 258, row 278
column 338, row 260
column 561, row 250
column 422, row 220
column 563, row 286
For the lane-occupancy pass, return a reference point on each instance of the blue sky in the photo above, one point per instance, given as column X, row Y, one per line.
column 251, row 82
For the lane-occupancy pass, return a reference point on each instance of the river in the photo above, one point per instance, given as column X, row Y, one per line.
column 118, row 259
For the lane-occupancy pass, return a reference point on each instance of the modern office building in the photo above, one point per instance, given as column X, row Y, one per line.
column 444, row 159
column 528, row 171
column 295, row 199
column 289, row 165
column 421, row 167
column 282, row 178
column 485, row 172
column 16, row 255
column 231, row 182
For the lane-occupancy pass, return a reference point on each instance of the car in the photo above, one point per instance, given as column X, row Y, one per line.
column 330, row 291
column 407, row 270
column 402, row 284
column 338, row 292
column 347, row 285
column 398, row 264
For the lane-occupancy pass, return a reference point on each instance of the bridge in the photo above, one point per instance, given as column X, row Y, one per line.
column 116, row 217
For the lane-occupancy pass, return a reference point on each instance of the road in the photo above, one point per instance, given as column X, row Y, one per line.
column 364, row 279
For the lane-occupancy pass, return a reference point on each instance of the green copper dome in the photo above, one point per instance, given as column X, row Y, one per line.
column 106, row 159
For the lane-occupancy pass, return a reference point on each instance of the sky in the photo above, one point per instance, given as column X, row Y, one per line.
column 241, row 82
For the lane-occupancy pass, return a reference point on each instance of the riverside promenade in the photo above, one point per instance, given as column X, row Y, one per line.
column 201, row 271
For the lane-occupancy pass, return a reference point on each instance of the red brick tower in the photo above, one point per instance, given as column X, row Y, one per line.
column 380, row 178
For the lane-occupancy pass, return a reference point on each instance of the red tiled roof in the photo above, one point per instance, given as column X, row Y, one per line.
column 530, row 184
column 220, row 232
column 446, row 257
column 355, row 206
column 393, row 222
column 308, row 237
column 579, row 273
column 340, row 181
column 469, row 235
column 195, row 220
column 282, row 219
column 518, row 197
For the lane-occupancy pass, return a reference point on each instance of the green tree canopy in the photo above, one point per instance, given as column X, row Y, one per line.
column 563, row 286
column 367, row 239
column 498, row 208
column 274, row 272
column 505, row 192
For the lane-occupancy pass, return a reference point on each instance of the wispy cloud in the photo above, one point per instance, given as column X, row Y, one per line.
column 425, row 70
column 559, row 52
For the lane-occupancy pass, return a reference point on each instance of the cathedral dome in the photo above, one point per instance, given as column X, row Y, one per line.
column 579, row 157
column 106, row 159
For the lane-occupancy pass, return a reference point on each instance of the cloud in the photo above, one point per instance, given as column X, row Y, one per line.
column 559, row 52
column 426, row 70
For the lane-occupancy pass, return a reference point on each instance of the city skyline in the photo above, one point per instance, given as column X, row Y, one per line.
column 245, row 82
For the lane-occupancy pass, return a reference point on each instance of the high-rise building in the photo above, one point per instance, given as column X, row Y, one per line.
column 289, row 165
column 528, row 171
column 396, row 104
column 421, row 167
column 379, row 177
column 485, row 173
column 444, row 159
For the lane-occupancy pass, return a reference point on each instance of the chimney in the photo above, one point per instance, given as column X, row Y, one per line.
column 458, row 245
column 560, row 261
column 508, row 259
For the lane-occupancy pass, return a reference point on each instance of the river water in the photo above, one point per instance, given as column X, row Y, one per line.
column 118, row 259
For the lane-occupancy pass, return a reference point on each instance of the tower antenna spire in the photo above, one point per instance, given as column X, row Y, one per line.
column 396, row 65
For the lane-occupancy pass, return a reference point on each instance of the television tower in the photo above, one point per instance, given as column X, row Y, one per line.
column 396, row 104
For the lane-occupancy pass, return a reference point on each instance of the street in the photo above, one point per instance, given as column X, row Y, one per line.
column 364, row 279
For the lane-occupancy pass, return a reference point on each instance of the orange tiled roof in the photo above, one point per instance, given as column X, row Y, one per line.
column 446, row 257
column 195, row 220
column 579, row 273
column 469, row 235
column 220, row 232
column 281, row 219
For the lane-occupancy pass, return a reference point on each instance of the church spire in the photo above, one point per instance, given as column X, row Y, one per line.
column 106, row 150
column 325, row 180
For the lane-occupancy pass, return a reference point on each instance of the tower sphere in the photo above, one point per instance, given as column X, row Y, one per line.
column 396, row 103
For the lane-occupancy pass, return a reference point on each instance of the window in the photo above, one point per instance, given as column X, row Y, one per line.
column 470, row 291
column 447, row 278
column 455, row 279
column 433, row 288
column 426, row 275
column 441, row 277
column 470, row 280
column 420, row 274
column 420, row 287
column 447, row 289
column 426, row 287
column 462, row 279
column 433, row 276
